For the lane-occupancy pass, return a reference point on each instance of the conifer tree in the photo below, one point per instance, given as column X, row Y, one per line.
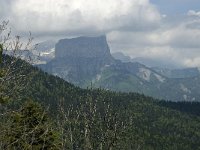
column 30, row 128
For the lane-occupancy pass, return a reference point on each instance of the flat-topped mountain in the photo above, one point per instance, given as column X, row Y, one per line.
column 79, row 60
column 83, row 47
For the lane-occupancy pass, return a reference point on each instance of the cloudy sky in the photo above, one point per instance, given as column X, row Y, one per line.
column 168, row 30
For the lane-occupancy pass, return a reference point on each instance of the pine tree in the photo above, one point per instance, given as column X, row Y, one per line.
column 3, row 99
column 1, row 52
column 30, row 128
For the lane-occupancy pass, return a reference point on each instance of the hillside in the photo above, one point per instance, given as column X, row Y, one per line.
column 146, row 124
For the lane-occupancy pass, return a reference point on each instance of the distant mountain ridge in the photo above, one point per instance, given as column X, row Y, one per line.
column 166, row 69
column 87, row 60
column 179, row 73
column 149, row 62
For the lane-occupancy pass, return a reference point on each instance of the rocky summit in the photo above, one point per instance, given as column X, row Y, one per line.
column 83, row 47
column 78, row 60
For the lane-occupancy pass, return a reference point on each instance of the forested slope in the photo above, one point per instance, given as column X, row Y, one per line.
column 100, row 119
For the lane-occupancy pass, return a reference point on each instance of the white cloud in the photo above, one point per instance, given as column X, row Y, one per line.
column 75, row 16
column 192, row 62
column 178, row 43
column 193, row 13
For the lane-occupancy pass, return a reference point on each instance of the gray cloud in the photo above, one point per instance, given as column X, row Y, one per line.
column 135, row 27
column 175, row 41
column 193, row 13
column 72, row 16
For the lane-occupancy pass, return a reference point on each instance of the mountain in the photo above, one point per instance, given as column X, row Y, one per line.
column 135, row 77
column 150, row 62
column 167, row 69
column 45, row 46
column 129, row 77
column 141, row 121
column 121, row 56
column 78, row 60
column 86, row 61
column 178, row 73
column 158, row 63
column 45, row 50
column 40, row 53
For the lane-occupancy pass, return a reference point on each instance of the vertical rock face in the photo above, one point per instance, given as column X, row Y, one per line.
column 83, row 47
column 78, row 60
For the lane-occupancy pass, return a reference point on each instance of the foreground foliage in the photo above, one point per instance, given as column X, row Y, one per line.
column 29, row 128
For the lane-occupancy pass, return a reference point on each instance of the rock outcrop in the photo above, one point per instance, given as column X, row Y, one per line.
column 78, row 60
column 83, row 47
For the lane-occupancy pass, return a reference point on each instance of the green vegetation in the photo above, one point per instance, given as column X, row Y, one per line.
column 90, row 118
column 29, row 128
column 191, row 108
column 1, row 52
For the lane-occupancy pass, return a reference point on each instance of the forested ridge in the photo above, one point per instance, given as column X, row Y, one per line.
column 89, row 118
